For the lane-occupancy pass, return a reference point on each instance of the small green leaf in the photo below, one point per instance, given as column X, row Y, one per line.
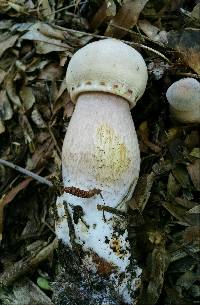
column 43, row 283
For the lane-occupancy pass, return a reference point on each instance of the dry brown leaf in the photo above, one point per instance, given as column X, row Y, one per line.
column 64, row 102
column 173, row 187
column 150, row 30
column 195, row 152
column 27, row 97
column 69, row 109
column 51, row 72
column 191, row 234
column 196, row 12
column 44, row 10
column 195, row 210
column 40, row 156
column 11, row 89
column 187, row 43
column 9, row 197
column 142, row 192
column 194, row 172
column 37, row 118
column 51, row 32
column 2, row 75
column 26, row 292
column 104, row 13
column 14, row 191
column 6, row 111
column 2, row 127
column 181, row 175
column 44, row 44
column 144, row 133
column 8, row 43
column 126, row 17
column 191, row 58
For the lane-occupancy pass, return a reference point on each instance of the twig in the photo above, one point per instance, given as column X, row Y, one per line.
column 197, row 76
column 27, row 265
column 151, row 50
column 127, row 42
column 111, row 210
column 62, row 9
column 26, row 172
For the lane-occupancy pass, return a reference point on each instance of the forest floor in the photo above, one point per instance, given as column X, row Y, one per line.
column 37, row 40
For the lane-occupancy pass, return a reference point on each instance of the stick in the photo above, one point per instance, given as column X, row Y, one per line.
column 26, row 172
column 26, row 265
column 127, row 42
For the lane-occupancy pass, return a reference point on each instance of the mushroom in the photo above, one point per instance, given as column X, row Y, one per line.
column 100, row 158
column 184, row 99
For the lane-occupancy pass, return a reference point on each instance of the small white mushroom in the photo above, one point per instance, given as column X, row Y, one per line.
column 100, row 152
column 184, row 99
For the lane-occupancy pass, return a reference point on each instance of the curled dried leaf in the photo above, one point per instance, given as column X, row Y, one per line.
column 126, row 17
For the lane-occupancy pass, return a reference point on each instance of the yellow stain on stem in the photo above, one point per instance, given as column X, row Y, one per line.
column 111, row 155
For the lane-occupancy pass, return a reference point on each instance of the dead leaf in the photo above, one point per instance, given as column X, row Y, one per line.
column 173, row 187
column 51, row 72
column 51, row 32
column 157, row 264
column 106, row 11
column 192, row 234
column 44, row 44
column 27, row 130
column 11, row 89
column 196, row 12
column 187, row 204
column 181, row 176
column 194, row 172
column 195, row 152
column 45, row 11
column 37, row 118
column 37, row 65
column 25, row 292
column 172, row 133
column 2, row 127
column 126, row 17
column 27, row 97
column 150, row 30
column 187, row 43
column 192, row 140
column 41, row 155
column 5, row 24
column 181, row 214
column 195, row 210
column 6, row 111
column 2, row 75
column 144, row 133
column 9, row 197
column 186, row 280
column 7, row 43
column 142, row 192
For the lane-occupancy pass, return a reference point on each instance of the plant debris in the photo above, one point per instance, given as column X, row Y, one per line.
column 37, row 41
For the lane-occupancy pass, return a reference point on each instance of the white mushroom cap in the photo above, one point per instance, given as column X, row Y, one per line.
column 107, row 65
column 184, row 99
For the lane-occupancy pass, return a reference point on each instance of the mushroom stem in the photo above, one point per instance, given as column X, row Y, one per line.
column 101, row 161
column 100, row 151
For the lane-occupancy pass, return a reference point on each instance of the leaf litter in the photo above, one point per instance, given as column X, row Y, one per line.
column 37, row 41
